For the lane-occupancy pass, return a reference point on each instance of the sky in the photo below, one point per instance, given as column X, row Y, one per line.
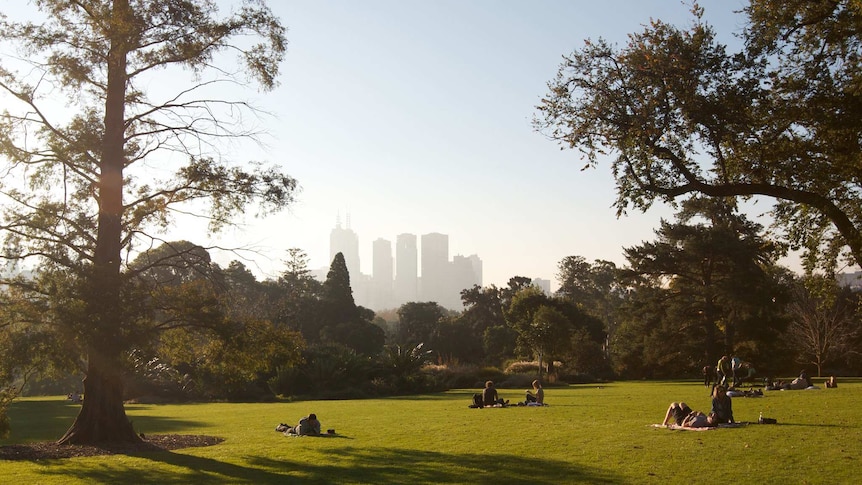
column 415, row 116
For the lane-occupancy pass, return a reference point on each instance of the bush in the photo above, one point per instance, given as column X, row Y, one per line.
column 523, row 367
column 53, row 385
column 518, row 381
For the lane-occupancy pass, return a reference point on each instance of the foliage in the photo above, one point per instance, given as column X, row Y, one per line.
column 499, row 343
column 418, row 322
column 586, row 356
column 595, row 288
column 294, row 297
column 337, row 293
column 343, row 322
column 127, row 156
column 545, row 325
column 27, row 351
column 706, row 287
column 781, row 118
column 483, row 308
column 824, row 324
column 402, row 366
column 457, row 342
column 152, row 377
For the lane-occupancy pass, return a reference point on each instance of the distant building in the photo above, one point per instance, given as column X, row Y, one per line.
column 396, row 281
column 850, row 280
column 343, row 240
column 435, row 283
column 381, row 293
column 544, row 285
column 466, row 273
column 406, row 269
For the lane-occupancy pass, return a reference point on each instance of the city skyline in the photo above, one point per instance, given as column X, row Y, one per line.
column 415, row 272
column 415, row 117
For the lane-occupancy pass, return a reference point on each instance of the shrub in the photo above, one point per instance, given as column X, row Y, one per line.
column 523, row 367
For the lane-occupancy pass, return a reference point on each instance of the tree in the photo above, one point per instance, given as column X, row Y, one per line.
column 98, row 56
column 419, row 323
column 824, row 322
column 458, row 342
column 344, row 322
column 483, row 308
column 712, row 274
column 595, row 288
column 337, row 293
column 543, row 331
column 295, row 297
column 781, row 118
column 25, row 351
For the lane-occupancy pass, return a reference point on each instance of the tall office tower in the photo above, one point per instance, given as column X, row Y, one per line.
column 381, row 276
column 406, row 271
column 544, row 285
column 343, row 240
column 436, row 280
column 466, row 273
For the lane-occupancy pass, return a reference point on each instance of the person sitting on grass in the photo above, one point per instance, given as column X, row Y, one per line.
column 537, row 396
column 308, row 426
column 722, row 406
column 490, row 397
column 680, row 414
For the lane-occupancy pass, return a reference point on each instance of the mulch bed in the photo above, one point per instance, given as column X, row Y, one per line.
column 52, row 451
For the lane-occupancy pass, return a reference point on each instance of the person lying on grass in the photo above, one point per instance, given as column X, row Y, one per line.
column 308, row 426
column 680, row 414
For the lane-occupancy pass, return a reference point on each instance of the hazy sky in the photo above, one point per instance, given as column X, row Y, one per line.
column 414, row 116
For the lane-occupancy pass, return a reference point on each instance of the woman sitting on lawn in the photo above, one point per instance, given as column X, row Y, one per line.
column 722, row 406
column 537, row 397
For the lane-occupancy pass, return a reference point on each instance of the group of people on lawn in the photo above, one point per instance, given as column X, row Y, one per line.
column 678, row 413
column 729, row 370
column 490, row 398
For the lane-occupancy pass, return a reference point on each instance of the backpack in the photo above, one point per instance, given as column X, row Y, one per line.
column 477, row 401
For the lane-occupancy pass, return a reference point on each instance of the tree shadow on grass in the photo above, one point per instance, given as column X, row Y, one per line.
column 40, row 420
column 382, row 465
column 164, row 425
column 350, row 465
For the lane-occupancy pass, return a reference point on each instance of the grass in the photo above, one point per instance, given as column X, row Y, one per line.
column 588, row 434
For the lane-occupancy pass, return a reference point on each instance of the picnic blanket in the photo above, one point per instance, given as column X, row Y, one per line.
column 708, row 428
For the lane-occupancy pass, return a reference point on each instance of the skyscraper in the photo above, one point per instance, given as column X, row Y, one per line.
column 436, row 273
column 466, row 272
column 406, row 271
column 381, row 276
column 343, row 240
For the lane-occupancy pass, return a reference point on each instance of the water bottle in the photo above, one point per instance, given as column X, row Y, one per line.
column 761, row 418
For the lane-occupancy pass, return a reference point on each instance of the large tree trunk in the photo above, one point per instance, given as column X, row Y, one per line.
column 102, row 417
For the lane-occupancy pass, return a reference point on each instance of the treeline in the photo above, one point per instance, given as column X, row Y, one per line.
column 708, row 285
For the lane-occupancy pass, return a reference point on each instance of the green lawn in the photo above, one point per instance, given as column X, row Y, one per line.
column 588, row 434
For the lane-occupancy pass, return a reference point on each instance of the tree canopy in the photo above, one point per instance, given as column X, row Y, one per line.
column 86, row 186
column 683, row 115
